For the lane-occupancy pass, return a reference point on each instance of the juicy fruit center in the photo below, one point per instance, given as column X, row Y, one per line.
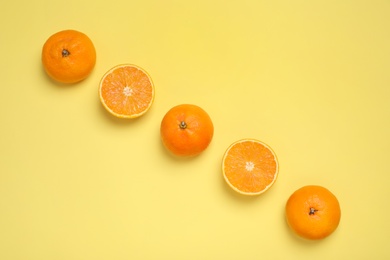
column 127, row 91
column 65, row 53
column 249, row 166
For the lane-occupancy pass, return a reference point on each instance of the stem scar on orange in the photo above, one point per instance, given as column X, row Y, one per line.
column 126, row 91
column 250, row 167
column 68, row 56
column 186, row 130
column 313, row 212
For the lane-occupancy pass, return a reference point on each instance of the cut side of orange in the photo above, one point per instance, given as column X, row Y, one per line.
column 250, row 167
column 126, row 91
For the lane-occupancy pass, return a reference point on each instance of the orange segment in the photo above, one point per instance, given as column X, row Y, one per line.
column 250, row 167
column 126, row 91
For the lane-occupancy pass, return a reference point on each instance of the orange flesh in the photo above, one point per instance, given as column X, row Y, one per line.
column 127, row 91
column 250, row 167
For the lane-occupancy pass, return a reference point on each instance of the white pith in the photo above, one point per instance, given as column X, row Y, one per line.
column 249, row 166
column 127, row 91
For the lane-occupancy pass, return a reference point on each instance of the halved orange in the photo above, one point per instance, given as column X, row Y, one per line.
column 126, row 91
column 250, row 167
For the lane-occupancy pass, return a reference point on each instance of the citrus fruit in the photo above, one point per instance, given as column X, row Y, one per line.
column 250, row 167
column 186, row 130
column 126, row 91
column 313, row 212
column 68, row 56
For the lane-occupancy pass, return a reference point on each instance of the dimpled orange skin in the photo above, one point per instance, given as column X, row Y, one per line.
column 68, row 56
column 186, row 130
column 313, row 212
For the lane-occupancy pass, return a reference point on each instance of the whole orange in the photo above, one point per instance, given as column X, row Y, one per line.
column 313, row 212
column 68, row 56
column 186, row 130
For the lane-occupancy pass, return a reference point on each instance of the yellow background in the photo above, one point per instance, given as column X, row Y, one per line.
column 309, row 78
